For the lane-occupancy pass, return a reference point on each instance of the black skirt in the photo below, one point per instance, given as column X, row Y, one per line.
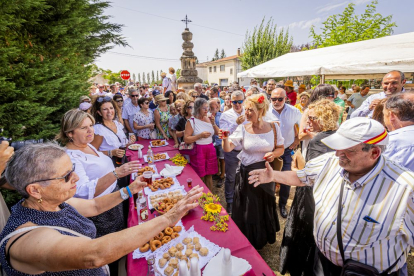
column 254, row 209
column 298, row 245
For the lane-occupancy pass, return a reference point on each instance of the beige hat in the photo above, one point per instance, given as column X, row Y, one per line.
column 356, row 131
column 289, row 83
column 160, row 98
column 302, row 86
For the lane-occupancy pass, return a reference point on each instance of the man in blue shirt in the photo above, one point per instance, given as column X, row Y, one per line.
column 392, row 83
column 289, row 116
column 356, row 99
column 399, row 119
column 129, row 111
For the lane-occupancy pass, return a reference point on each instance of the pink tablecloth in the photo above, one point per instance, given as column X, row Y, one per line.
column 232, row 239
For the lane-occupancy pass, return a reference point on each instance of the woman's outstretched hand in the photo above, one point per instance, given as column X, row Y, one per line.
column 261, row 176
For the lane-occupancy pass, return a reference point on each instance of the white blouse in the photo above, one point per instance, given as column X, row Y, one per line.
column 254, row 146
column 110, row 140
column 200, row 126
column 90, row 168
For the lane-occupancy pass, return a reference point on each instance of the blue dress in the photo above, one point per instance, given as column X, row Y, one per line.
column 67, row 217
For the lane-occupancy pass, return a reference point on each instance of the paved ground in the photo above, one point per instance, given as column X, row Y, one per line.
column 270, row 253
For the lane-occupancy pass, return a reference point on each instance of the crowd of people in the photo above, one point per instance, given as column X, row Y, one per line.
column 358, row 174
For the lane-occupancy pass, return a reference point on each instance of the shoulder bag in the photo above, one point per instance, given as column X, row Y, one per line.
column 352, row 267
column 188, row 149
column 277, row 163
column 124, row 159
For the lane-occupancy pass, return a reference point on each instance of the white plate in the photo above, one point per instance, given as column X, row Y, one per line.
column 166, row 144
column 213, row 249
column 135, row 146
column 166, row 191
column 138, row 254
column 175, row 186
column 166, row 157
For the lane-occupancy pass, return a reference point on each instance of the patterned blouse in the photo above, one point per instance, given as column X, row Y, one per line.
column 141, row 119
column 164, row 117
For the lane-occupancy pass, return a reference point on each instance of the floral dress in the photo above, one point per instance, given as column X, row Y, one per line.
column 164, row 117
column 141, row 119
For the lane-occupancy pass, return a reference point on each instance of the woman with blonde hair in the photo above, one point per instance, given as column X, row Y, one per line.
column 183, row 96
column 298, row 245
column 254, row 209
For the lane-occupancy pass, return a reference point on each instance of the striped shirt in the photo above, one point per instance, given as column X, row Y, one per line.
column 385, row 194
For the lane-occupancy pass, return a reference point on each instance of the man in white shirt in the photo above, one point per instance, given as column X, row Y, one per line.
column 101, row 91
column 129, row 111
column 289, row 117
column 392, row 83
column 399, row 119
column 199, row 88
column 166, row 83
column 229, row 121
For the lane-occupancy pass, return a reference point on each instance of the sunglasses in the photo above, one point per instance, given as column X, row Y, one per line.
column 66, row 177
column 120, row 101
column 278, row 99
column 312, row 118
column 104, row 99
column 189, row 107
column 238, row 102
column 146, row 102
column 196, row 96
column 134, row 96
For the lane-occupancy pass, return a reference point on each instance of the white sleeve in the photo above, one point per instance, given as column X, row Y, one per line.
column 124, row 113
column 224, row 122
column 85, row 187
column 99, row 129
column 236, row 138
column 280, row 140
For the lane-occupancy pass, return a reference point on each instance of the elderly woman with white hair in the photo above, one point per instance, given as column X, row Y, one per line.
column 48, row 232
column 200, row 129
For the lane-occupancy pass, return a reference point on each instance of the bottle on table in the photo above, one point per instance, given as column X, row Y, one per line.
column 226, row 263
column 150, row 263
column 150, row 156
column 142, row 209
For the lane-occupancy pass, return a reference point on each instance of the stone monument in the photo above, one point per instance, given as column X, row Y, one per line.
column 188, row 61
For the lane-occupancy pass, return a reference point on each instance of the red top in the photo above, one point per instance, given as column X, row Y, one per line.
column 292, row 96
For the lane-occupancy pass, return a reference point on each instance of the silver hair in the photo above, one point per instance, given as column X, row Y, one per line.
column 197, row 85
column 368, row 147
column 32, row 163
column 237, row 93
column 214, row 100
column 131, row 90
column 199, row 102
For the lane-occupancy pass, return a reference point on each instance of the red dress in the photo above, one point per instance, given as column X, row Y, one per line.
column 292, row 96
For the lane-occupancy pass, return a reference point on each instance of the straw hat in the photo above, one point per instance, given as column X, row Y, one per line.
column 160, row 98
column 302, row 86
column 289, row 83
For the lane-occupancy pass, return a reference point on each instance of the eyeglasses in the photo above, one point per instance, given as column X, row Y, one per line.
column 196, row 96
column 134, row 96
column 66, row 177
column 120, row 101
column 104, row 99
column 312, row 118
column 238, row 102
column 277, row 99
column 146, row 102
column 189, row 107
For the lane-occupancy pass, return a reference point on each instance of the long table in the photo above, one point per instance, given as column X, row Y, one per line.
column 232, row 239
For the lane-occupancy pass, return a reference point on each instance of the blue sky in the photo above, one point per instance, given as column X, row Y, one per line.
column 220, row 24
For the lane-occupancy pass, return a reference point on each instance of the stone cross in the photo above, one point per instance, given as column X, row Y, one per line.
column 186, row 20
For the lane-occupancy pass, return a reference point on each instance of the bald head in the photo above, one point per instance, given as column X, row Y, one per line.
column 393, row 82
column 278, row 98
column 278, row 92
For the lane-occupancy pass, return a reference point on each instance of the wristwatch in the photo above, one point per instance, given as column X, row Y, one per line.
column 123, row 194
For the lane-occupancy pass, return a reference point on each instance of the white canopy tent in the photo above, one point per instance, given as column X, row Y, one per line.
column 367, row 57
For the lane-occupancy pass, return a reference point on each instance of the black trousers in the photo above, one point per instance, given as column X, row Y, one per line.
column 287, row 166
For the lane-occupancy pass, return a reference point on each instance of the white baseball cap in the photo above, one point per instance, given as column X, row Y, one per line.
column 356, row 131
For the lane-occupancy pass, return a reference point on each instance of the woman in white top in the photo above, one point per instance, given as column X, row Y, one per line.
column 110, row 138
column 199, row 129
column 254, row 210
column 173, row 78
column 97, row 174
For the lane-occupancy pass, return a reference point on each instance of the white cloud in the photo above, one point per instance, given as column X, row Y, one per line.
column 330, row 7
column 304, row 24
column 360, row 2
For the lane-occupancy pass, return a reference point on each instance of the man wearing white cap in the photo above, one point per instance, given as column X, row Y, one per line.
column 392, row 83
column 372, row 196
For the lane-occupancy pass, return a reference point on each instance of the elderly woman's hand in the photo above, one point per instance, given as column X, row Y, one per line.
column 5, row 153
column 137, row 185
column 204, row 134
column 269, row 157
column 190, row 201
column 261, row 176
column 127, row 168
column 118, row 153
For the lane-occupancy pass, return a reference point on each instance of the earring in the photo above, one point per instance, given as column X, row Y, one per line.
column 70, row 139
column 40, row 200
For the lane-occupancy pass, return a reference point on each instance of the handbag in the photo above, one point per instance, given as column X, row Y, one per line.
column 352, row 267
column 114, row 158
column 277, row 163
column 188, row 149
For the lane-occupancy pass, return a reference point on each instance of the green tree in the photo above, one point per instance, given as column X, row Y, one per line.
column 158, row 76
column 47, row 49
column 112, row 77
column 223, row 54
column 264, row 44
column 178, row 73
column 148, row 78
column 143, row 77
column 134, row 77
column 139, row 77
column 216, row 55
column 152, row 76
column 349, row 27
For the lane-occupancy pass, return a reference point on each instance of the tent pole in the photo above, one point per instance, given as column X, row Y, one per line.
column 322, row 79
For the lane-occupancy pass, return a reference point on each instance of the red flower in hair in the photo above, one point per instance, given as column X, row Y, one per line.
column 260, row 99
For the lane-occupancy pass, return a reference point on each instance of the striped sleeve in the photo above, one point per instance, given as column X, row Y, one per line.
column 313, row 167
